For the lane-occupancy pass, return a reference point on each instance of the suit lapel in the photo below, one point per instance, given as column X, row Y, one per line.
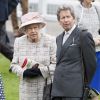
column 68, row 42
column 59, row 45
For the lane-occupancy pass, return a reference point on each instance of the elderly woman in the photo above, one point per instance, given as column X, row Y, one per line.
column 88, row 18
column 34, row 54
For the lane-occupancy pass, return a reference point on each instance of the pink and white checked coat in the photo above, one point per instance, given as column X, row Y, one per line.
column 42, row 52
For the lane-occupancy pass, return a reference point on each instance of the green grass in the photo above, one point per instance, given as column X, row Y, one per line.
column 10, row 80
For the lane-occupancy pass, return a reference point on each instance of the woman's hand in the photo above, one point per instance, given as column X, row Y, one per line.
column 32, row 72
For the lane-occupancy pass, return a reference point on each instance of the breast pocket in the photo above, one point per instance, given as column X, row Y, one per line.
column 73, row 51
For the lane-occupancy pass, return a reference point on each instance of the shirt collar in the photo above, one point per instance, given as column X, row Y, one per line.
column 70, row 31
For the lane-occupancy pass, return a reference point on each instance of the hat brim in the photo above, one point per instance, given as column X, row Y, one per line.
column 42, row 23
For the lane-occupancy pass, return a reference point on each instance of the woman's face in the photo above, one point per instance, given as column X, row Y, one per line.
column 32, row 32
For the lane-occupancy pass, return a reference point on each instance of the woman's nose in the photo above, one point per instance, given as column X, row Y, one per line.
column 33, row 30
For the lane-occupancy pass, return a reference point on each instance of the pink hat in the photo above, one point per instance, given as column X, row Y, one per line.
column 32, row 18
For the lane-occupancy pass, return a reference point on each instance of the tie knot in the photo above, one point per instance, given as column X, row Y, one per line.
column 66, row 33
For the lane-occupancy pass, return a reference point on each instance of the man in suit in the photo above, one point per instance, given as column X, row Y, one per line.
column 74, row 49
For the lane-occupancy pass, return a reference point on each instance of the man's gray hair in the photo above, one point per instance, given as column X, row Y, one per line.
column 65, row 8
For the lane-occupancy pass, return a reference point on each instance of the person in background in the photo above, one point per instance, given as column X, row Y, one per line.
column 9, row 54
column 14, row 19
column 74, row 49
column 34, row 52
column 6, row 7
column 88, row 18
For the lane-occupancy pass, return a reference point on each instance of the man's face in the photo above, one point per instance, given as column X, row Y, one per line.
column 66, row 20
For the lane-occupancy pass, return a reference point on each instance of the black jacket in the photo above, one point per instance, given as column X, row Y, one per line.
column 6, row 51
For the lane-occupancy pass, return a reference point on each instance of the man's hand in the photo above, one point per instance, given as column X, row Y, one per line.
column 93, row 93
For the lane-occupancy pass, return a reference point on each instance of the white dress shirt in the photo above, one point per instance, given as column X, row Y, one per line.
column 67, row 33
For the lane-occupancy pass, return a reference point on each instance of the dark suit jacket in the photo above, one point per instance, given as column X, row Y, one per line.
column 6, row 51
column 68, row 77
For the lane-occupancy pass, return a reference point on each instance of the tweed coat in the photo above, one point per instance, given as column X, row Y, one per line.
column 68, row 77
column 42, row 52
